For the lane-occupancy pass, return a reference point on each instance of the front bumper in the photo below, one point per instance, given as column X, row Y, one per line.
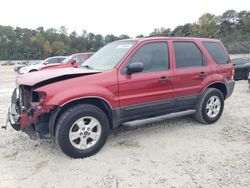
column 34, row 121
column 230, row 87
column 13, row 116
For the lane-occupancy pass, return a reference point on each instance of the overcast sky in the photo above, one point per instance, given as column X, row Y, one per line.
column 132, row 17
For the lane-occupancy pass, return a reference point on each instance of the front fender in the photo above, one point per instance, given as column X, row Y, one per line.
column 70, row 94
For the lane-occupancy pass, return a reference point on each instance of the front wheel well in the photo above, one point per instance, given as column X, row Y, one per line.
column 221, row 87
column 100, row 103
column 33, row 70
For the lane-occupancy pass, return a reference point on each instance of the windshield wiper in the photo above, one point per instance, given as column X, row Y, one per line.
column 87, row 66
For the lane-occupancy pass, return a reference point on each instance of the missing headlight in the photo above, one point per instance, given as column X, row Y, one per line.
column 38, row 97
column 35, row 96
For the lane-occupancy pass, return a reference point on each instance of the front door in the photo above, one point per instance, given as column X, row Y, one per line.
column 147, row 93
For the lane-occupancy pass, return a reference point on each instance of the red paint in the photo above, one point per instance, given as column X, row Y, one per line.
column 26, row 119
column 70, row 63
column 32, row 78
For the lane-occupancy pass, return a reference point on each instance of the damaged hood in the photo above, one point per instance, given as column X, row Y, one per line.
column 40, row 78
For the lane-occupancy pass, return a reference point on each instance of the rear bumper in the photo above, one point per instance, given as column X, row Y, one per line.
column 249, row 80
column 230, row 87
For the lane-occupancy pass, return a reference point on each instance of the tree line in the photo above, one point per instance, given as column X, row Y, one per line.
column 232, row 27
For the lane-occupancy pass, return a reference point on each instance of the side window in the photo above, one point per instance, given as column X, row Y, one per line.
column 154, row 56
column 187, row 54
column 217, row 52
column 60, row 60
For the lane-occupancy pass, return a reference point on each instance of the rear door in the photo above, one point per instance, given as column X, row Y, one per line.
column 147, row 93
column 190, row 70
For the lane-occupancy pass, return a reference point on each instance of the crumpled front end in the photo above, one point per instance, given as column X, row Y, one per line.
column 28, row 112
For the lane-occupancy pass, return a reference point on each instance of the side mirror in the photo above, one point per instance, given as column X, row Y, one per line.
column 46, row 63
column 135, row 67
column 73, row 63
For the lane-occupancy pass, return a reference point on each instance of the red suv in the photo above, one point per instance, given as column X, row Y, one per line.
column 73, row 60
column 125, row 82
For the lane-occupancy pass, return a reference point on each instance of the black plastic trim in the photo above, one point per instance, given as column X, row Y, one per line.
column 153, row 109
column 230, row 87
column 52, row 121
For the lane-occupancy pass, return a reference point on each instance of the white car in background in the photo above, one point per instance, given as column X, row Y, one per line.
column 47, row 62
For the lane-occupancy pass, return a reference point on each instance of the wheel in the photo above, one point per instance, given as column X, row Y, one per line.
column 82, row 130
column 210, row 106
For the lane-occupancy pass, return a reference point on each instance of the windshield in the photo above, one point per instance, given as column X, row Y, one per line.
column 108, row 56
column 67, row 59
column 42, row 62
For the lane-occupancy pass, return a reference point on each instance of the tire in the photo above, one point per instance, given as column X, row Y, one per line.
column 247, row 74
column 33, row 70
column 72, row 135
column 206, row 106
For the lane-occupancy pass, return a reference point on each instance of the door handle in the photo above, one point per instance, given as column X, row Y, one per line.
column 164, row 78
column 203, row 74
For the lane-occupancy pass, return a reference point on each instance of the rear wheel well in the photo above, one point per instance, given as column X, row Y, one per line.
column 221, row 87
column 100, row 103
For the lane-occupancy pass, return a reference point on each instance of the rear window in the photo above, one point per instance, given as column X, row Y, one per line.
column 217, row 52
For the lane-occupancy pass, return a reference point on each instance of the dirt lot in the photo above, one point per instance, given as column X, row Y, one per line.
column 174, row 153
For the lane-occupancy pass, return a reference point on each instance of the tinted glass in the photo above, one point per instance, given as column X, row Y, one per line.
column 187, row 54
column 154, row 56
column 217, row 52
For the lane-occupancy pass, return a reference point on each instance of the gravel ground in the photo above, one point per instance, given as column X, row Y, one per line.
column 173, row 153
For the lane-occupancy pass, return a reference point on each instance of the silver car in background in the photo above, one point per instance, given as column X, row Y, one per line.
column 47, row 62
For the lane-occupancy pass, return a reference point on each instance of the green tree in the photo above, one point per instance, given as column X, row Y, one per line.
column 48, row 50
column 59, row 48
column 208, row 25
column 232, row 27
column 160, row 32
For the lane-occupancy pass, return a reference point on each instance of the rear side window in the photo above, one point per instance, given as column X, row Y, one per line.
column 187, row 54
column 217, row 52
column 154, row 56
